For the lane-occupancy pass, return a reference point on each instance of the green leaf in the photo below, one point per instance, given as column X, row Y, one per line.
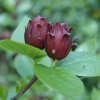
column 88, row 46
column 81, row 63
column 9, row 5
column 85, row 95
column 18, row 34
column 23, row 66
column 59, row 80
column 20, row 85
column 95, row 94
column 44, row 61
column 24, row 49
column 3, row 92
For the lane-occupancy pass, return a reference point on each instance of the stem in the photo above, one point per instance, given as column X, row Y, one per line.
column 25, row 88
column 53, row 62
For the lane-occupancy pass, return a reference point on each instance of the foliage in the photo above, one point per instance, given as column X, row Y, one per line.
column 66, row 79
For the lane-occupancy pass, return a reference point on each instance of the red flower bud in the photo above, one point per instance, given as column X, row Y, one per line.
column 36, row 32
column 58, row 43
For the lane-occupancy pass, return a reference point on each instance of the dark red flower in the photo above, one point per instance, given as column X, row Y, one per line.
column 36, row 32
column 58, row 43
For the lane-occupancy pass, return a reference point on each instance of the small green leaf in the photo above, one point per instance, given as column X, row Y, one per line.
column 18, row 34
column 3, row 92
column 59, row 80
column 23, row 66
column 95, row 94
column 81, row 63
column 20, row 85
column 24, row 49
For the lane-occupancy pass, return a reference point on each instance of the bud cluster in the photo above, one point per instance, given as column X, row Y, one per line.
column 54, row 38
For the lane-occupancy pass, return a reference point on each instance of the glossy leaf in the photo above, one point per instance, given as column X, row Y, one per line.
column 18, row 34
column 24, row 49
column 59, row 80
column 81, row 64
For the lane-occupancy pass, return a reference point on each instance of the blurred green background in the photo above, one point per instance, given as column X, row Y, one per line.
column 84, row 15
